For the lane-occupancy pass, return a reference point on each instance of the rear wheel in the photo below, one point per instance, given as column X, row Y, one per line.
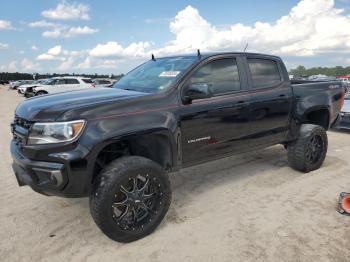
column 131, row 197
column 308, row 152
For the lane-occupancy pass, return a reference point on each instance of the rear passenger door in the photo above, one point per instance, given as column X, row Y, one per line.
column 216, row 126
column 58, row 86
column 271, row 100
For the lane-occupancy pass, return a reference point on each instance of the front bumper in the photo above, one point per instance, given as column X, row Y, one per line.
column 52, row 178
column 29, row 94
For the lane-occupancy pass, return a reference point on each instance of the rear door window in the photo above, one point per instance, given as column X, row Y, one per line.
column 264, row 72
column 72, row 81
column 60, row 82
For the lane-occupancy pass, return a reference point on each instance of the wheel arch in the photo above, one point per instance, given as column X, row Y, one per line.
column 318, row 115
column 159, row 146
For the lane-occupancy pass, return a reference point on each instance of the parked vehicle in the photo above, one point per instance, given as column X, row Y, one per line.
column 344, row 123
column 13, row 84
column 16, row 84
column 103, row 82
column 59, row 85
column 4, row 82
column 117, row 145
column 23, row 88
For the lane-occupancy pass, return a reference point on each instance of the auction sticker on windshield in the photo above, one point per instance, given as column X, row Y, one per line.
column 169, row 74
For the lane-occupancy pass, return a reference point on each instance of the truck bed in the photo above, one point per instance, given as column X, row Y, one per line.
column 319, row 94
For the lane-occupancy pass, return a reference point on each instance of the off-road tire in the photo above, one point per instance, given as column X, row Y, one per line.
column 298, row 150
column 110, row 180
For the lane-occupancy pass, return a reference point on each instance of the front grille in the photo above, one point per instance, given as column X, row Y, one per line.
column 20, row 129
column 22, row 122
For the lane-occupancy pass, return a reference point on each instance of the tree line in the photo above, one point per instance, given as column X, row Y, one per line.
column 329, row 71
column 5, row 76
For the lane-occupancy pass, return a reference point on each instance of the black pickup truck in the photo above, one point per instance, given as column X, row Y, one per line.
column 117, row 145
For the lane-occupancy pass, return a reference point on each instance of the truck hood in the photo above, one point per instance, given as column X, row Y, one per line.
column 49, row 107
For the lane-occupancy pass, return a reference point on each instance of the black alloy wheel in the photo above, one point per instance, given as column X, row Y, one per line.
column 131, row 197
column 137, row 201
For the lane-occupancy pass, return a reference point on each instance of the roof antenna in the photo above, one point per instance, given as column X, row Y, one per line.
column 198, row 53
column 153, row 58
column 246, row 46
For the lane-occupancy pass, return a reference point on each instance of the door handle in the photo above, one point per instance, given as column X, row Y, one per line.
column 283, row 95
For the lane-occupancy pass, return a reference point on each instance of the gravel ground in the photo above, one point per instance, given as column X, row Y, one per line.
column 250, row 207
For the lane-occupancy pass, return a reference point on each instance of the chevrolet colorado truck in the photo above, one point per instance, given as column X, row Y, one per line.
column 117, row 145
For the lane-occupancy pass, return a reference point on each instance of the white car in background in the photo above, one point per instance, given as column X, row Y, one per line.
column 103, row 82
column 61, row 84
column 23, row 88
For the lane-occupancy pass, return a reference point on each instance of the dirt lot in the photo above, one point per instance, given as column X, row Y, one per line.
column 251, row 207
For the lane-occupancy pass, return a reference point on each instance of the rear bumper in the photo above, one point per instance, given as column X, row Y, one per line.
column 343, row 122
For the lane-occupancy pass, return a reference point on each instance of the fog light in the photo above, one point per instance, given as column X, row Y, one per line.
column 56, row 177
column 45, row 176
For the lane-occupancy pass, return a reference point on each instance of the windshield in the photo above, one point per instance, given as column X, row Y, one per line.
column 155, row 76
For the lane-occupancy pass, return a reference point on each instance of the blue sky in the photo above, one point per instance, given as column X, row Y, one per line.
column 112, row 37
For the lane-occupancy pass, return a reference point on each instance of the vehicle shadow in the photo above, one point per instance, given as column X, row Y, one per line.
column 340, row 130
column 188, row 184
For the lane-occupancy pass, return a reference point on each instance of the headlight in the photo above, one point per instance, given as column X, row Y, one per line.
column 49, row 133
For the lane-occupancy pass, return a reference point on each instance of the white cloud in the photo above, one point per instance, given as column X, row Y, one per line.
column 86, row 64
column 52, row 34
column 11, row 67
column 114, row 49
column 66, row 65
column 312, row 27
column 4, row 46
column 55, row 51
column 75, row 31
column 42, row 23
column 28, row 66
column 35, row 48
column 65, row 32
column 47, row 57
column 106, row 50
column 52, row 54
column 5, row 25
column 66, row 11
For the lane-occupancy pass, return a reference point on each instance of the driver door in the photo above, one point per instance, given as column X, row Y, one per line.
column 218, row 125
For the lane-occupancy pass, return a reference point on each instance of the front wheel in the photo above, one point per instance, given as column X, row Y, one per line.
column 308, row 152
column 131, row 197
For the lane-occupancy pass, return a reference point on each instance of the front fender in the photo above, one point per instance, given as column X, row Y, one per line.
column 101, row 132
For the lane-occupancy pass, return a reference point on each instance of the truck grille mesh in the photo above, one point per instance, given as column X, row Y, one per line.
column 20, row 129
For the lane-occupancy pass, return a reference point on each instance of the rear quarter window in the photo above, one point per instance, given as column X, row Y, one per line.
column 264, row 72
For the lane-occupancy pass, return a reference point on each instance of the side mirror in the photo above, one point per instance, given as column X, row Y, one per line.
column 197, row 91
